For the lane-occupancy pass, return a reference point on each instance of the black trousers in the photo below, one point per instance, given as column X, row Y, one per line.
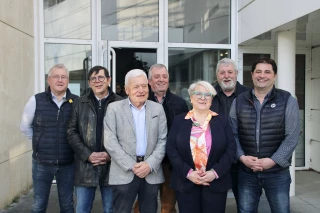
column 125, row 195
column 201, row 200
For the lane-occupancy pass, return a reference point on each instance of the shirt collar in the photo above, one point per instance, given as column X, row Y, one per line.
column 155, row 97
column 63, row 97
column 131, row 105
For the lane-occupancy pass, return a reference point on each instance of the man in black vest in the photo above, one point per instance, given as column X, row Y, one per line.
column 85, row 135
column 173, row 105
column 44, row 121
column 228, row 88
column 265, row 123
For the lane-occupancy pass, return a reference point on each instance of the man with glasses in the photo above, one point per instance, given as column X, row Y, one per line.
column 85, row 135
column 44, row 121
column 228, row 88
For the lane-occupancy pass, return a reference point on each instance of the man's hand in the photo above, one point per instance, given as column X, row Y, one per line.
column 207, row 177
column 252, row 162
column 141, row 169
column 99, row 158
column 267, row 163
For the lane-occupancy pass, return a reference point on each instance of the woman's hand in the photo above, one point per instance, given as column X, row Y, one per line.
column 207, row 177
column 195, row 176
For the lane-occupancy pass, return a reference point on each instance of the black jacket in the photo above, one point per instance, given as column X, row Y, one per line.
column 217, row 103
column 272, row 125
column 49, row 140
column 173, row 105
column 220, row 158
column 82, row 138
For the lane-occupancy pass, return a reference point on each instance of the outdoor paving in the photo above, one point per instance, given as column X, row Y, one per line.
column 307, row 199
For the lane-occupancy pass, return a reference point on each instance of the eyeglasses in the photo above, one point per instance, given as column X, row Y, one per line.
column 99, row 78
column 57, row 77
column 199, row 95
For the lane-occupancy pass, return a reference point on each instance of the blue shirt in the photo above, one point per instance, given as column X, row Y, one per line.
column 139, row 118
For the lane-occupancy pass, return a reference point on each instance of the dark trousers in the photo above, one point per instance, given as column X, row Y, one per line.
column 167, row 194
column 201, row 200
column 234, row 176
column 125, row 195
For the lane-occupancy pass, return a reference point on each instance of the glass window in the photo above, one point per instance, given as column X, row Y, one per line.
column 77, row 59
column 300, row 94
column 67, row 19
column 134, row 20
column 201, row 21
column 187, row 65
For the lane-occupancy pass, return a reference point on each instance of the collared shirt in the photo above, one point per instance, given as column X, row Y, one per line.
column 156, row 98
column 292, row 130
column 139, row 118
column 28, row 114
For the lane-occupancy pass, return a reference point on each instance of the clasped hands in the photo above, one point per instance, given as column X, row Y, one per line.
column 99, row 158
column 202, row 177
column 141, row 169
column 257, row 165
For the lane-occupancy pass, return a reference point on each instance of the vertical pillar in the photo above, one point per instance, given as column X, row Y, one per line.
column 286, row 77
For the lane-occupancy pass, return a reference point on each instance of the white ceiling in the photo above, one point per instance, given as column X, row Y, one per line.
column 307, row 30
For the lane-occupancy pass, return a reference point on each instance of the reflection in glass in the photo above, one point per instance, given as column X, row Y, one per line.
column 187, row 65
column 201, row 21
column 77, row 59
column 134, row 20
column 67, row 19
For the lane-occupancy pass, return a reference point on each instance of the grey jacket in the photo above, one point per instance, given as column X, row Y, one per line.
column 120, row 141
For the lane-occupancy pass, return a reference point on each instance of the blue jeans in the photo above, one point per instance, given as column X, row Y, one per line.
column 275, row 184
column 85, row 197
column 42, row 176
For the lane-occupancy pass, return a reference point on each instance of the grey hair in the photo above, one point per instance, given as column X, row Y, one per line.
column 134, row 73
column 205, row 84
column 226, row 62
column 58, row 66
column 156, row 66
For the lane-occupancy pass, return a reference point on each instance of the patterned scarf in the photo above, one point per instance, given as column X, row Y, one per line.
column 198, row 143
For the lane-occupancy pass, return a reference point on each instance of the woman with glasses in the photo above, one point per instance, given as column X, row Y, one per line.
column 201, row 149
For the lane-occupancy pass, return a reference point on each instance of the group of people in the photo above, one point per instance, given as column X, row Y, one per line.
column 233, row 137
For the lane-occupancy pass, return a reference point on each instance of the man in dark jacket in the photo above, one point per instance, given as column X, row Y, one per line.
column 228, row 88
column 44, row 121
column 173, row 105
column 85, row 135
column 265, row 123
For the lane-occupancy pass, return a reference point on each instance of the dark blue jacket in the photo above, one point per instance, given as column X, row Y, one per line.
column 49, row 141
column 222, row 153
column 272, row 125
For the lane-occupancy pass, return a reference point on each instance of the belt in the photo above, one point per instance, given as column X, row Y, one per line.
column 140, row 158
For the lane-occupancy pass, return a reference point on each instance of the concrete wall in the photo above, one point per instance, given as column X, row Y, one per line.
column 259, row 16
column 16, row 87
column 315, row 111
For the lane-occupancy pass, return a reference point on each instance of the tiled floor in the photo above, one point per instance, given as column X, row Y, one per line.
column 307, row 199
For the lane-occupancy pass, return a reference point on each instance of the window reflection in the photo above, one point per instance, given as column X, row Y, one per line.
column 134, row 20
column 77, row 59
column 201, row 21
column 187, row 65
column 67, row 19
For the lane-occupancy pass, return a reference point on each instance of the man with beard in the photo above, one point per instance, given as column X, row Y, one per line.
column 228, row 88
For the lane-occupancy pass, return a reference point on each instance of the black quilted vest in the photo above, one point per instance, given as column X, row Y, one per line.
column 49, row 141
column 272, row 125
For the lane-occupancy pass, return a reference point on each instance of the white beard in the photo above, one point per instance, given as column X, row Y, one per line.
column 231, row 85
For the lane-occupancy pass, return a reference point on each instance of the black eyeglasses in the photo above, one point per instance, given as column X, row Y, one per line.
column 99, row 78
